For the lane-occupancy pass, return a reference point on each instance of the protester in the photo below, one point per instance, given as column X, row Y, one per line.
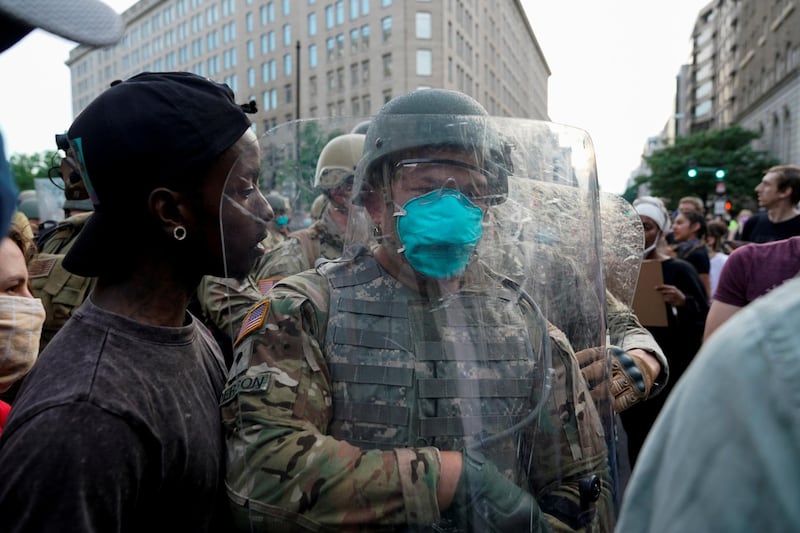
column 120, row 413
column 382, row 389
column 685, row 307
column 718, row 249
column 691, row 203
column 689, row 231
column 723, row 454
column 83, row 21
column 21, row 315
column 736, row 225
column 750, row 272
column 778, row 195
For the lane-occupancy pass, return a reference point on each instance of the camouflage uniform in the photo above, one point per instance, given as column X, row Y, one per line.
column 61, row 292
column 225, row 301
column 330, row 427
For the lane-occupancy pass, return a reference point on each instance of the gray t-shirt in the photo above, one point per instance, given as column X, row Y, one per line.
column 116, row 428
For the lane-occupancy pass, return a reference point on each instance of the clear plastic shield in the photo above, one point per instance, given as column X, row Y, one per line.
column 472, row 271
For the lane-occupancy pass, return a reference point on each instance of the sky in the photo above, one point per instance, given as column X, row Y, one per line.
column 613, row 66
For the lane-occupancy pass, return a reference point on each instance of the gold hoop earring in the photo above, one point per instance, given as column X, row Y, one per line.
column 179, row 232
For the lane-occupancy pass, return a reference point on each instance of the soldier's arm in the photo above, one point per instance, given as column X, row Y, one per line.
column 569, row 474
column 628, row 333
column 281, row 464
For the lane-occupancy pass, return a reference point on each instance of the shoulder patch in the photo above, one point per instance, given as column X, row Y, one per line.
column 264, row 285
column 41, row 267
column 252, row 320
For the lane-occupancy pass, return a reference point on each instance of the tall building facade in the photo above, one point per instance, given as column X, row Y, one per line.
column 746, row 70
column 312, row 58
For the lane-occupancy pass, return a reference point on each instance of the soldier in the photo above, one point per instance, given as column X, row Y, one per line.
column 324, row 238
column 61, row 292
column 279, row 227
column 410, row 383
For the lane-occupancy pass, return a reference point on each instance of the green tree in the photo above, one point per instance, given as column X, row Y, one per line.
column 26, row 168
column 727, row 149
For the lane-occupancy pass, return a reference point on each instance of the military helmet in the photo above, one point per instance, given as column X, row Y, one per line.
column 429, row 118
column 278, row 202
column 361, row 127
column 338, row 160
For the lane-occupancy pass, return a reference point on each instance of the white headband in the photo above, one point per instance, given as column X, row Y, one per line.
column 656, row 213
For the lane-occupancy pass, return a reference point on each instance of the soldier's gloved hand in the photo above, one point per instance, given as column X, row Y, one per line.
column 631, row 378
column 592, row 362
column 486, row 501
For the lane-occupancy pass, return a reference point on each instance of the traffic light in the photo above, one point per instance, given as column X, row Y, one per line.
column 720, row 173
column 728, row 206
column 692, row 172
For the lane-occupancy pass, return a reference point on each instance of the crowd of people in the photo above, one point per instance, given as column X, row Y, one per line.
column 434, row 351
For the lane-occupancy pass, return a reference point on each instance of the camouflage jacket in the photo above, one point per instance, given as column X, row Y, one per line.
column 61, row 291
column 225, row 301
column 286, row 470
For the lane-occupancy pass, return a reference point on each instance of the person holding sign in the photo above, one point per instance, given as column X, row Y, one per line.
column 672, row 284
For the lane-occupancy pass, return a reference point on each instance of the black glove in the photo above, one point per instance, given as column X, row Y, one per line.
column 486, row 501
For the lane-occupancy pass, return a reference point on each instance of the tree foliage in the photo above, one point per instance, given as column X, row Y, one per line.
column 728, row 149
column 26, row 168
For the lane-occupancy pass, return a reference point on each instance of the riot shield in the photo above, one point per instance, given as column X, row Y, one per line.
column 472, row 271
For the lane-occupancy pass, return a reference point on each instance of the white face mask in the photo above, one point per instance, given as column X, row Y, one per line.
column 652, row 246
column 21, row 321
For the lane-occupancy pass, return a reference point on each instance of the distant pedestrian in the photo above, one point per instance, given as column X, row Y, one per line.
column 718, row 248
column 750, row 272
column 689, row 230
column 778, row 196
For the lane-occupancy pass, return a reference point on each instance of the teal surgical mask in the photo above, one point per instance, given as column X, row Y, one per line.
column 439, row 231
column 282, row 220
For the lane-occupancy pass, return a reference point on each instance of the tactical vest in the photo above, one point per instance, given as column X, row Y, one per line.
column 61, row 292
column 411, row 372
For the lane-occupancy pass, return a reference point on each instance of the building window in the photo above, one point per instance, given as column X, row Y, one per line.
column 387, row 95
column 354, row 74
column 287, row 64
column 330, row 46
column 248, row 22
column 355, row 106
column 353, row 9
column 424, row 25
column 365, row 71
column 424, row 62
column 386, row 3
column 312, row 24
column 354, row 41
column 288, row 93
column 365, row 36
column 340, row 45
column 286, row 8
column 386, row 28
column 312, row 85
column 340, row 78
column 287, row 34
column 312, row 56
column 339, row 12
column 251, row 50
column 329, row 17
column 364, row 7
column 251, row 77
column 386, row 60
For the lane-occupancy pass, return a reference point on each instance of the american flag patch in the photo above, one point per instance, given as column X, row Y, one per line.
column 41, row 267
column 252, row 320
column 264, row 285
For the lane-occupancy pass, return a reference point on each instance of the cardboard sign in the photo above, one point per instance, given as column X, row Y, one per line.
column 648, row 304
